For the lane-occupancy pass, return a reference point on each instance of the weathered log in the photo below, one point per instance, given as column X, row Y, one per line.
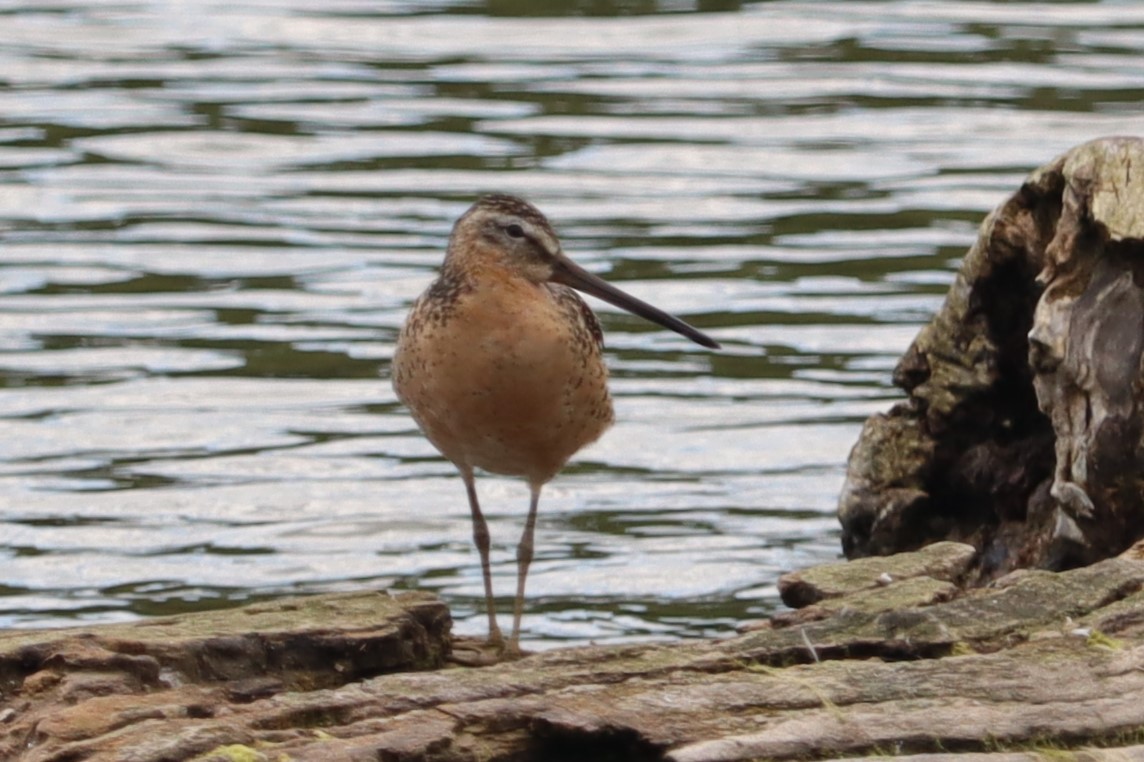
column 1023, row 432
column 95, row 693
column 1040, row 661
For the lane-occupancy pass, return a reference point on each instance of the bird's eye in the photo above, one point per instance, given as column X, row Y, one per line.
column 514, row 231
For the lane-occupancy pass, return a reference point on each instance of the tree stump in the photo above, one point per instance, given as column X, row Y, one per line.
column 1023, row 431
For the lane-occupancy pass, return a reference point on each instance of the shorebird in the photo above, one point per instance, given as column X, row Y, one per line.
column 501, row 363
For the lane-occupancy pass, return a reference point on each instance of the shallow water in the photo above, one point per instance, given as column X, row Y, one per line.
column 213, row 217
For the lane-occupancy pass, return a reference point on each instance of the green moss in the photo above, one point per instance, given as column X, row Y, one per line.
column 961, row 648
column 234, row 753
column 1097, row 639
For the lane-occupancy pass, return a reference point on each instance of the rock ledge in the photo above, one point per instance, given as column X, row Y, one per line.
column 880, row 664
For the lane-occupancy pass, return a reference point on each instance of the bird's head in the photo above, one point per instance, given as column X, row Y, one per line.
column 517, row 237
column 509, row 232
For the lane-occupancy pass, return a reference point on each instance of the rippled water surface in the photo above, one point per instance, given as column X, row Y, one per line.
column 214, row 216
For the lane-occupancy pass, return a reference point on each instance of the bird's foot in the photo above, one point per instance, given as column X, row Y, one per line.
column 511, row 651
column 473, row 652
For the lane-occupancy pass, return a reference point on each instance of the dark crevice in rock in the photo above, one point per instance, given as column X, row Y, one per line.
column 1023, row 433
column 559, row 744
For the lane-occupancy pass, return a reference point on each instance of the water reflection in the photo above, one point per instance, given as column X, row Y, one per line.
column 213, row 221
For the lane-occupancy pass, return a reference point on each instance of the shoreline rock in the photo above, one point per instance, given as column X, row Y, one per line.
column 1022, row 432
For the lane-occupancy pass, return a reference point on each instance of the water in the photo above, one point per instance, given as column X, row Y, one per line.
column 213, row 217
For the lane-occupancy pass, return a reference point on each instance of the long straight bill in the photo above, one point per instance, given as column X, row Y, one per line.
column 571, row 274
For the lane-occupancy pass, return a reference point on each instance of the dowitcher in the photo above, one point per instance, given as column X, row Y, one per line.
column 501, row 363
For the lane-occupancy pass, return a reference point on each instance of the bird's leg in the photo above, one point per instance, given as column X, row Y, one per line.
column 523, row 559
column 481, row 540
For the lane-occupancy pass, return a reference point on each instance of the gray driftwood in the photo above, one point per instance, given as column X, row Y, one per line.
column 890, row 659
column 1023, row 431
